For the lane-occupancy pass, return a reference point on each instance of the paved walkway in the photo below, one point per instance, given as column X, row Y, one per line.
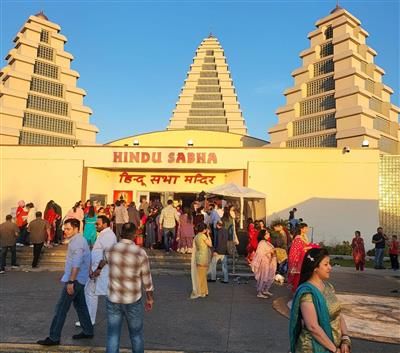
column 231, row 319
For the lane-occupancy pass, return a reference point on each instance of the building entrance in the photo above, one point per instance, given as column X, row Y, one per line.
column 186, row 198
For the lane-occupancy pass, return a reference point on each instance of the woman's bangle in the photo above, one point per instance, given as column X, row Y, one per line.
column 346, row 340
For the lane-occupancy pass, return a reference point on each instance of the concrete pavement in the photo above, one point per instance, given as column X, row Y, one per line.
column 231, row 319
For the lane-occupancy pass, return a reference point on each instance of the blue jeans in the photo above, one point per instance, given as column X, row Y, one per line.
column 134, row 316
column 283, row 268
column 169, row 235
column 379, row 257
column 62, row 308
column 224, row 263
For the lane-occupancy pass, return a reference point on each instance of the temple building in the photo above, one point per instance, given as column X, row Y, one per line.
column 338, row 101
column 208, row 100
column 338, row 98
column 39, row 98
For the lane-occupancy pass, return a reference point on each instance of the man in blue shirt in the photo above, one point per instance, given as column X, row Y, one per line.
column 213, row 219
column 75, row 276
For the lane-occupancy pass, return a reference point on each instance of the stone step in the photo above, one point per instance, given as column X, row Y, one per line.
column 54, row 259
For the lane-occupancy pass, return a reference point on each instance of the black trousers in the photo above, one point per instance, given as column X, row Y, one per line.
column 37, row 249
column 394, row 259
column 4, row 251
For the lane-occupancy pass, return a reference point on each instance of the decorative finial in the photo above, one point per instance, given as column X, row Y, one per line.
column 337, row 8
column 42, row 15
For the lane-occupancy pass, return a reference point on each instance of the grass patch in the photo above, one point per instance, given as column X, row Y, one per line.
column 350, row 263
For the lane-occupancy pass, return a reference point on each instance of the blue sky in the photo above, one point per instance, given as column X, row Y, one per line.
column 133, row 56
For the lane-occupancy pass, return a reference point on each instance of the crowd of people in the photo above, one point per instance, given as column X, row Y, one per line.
column 105, row 257
column 381, row 241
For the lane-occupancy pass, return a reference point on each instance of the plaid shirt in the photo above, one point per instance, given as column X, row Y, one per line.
column 129, row 266
column 168, row 217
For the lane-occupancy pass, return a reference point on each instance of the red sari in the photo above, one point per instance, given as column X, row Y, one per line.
column 51, row 216
column 252, row 244
column 358, row 253
column 296, row 255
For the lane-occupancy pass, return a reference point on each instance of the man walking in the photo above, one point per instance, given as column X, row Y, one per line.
column 220, row 253
column 76, row 274
column 121, row 217
column 98, row 283
column 379, row 239
column 39, row 231
column 169, row 215
column 129, row 268
column 9, row 232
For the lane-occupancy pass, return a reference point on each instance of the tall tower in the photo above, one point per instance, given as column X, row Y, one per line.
column 208, row 100
column 40, row 103
column 338, row 98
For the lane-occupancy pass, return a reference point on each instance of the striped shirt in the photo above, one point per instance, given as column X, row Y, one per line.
column 129, row 267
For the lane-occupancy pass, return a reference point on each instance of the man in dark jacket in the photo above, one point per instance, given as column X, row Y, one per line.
column 220, row 253
column 39, row 230
column 9, row 233
column 133, row 214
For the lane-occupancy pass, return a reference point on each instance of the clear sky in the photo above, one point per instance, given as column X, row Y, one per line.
column 133, row 56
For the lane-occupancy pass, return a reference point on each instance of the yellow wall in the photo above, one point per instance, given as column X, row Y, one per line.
column 334, row 197
column 173, row 138
column 38, row 180
column 335, row 193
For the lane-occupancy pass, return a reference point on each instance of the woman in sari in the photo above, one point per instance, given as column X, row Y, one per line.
column 316, row 323
column 264, row 265
column 358, row 251
column 300, row 246
column 200, row 261
column 185, row 232
column 77, row 213
column 51, row 216
column 89, row 232
column 253, row 242
column 228, row 219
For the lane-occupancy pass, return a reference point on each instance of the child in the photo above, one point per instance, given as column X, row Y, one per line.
column 394, row 253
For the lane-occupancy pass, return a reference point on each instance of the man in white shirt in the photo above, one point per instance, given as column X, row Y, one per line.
column 98, row 283
column 169, row 215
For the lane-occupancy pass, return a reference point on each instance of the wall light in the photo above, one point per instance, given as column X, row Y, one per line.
column 346, row 150
column 136, row 142
column 365, row 143
column 190, row 142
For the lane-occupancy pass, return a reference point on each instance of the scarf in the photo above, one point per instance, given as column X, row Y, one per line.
column 321, row 308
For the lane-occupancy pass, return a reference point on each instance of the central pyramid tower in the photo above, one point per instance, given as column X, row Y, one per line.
column 208, row 99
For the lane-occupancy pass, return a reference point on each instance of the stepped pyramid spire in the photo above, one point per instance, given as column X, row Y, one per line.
column 208, row 100
column 39, row 100
column 338, row 98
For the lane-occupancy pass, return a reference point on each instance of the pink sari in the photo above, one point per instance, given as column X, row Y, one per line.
column 264, row 266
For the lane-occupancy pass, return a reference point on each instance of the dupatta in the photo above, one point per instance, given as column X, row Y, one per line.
column 193, row 268
column 295, row 324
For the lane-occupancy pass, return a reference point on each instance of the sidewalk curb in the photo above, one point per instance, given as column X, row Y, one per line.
column 36, row 348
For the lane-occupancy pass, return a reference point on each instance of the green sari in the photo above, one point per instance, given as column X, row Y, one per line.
column 328, row 313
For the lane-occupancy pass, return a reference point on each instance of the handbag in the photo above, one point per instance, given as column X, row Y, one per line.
column 231, row 247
